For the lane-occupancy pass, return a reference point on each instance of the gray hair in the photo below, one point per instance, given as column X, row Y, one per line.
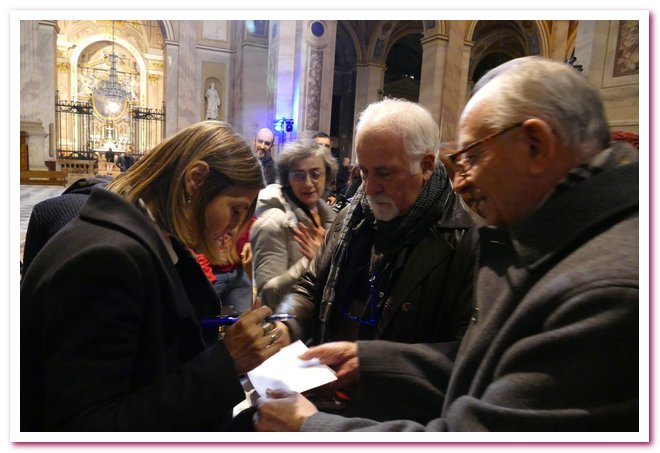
column 534, row 87
column 294, row 152
column 412, row 122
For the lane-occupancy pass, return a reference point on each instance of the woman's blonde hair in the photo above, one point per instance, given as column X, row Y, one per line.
column 159, row 179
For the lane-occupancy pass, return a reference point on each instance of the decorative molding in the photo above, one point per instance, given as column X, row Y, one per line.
column 254, row 44
column 622, row 123
column 63, row 66
column 153, row 78
column 214, row 49
column 437, row 37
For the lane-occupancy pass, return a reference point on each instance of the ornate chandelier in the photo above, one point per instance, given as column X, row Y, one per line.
column 109, row 91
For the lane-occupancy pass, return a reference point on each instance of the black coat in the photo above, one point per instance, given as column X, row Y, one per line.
column 109, row 331
column 429, row 297
column 49, row 216
column 270, row 169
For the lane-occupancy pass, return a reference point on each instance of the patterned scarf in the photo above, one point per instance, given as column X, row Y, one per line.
column 392, row 236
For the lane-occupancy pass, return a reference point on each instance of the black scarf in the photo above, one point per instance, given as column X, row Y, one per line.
column 390, row 237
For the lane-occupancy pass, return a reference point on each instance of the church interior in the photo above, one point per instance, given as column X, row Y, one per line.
column 94, row 93
column 88, row 86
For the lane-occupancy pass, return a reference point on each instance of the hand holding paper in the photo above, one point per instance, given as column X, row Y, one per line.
column 285, row 371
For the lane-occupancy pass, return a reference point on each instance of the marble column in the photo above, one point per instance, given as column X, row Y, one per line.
column 300, row 76
column 317, row 76
column 38, row 86
column 180, row 77
column 283, row 77
column 187, row 95
column 368, row 85
column 588, row 54
column 171, row 55
column 369, row 81
column 559, row 40
column 434, row 53
column 455, row 82
column 250, row 81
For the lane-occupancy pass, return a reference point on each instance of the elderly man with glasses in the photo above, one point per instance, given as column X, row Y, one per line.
column 553, row 344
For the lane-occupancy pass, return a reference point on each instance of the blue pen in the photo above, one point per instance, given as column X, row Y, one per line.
column 218, row 321
column 229, row 320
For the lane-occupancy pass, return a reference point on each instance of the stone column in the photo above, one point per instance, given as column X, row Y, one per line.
column 369, row 81
column 171, row 55
column 38, row 86
column 434, row 53
column 588, row 54
column 187, row 96
column 368, row 85
column 559, row 40
column 250, row 85
column 180, row 77
column 317, row 76
column 455, row 81
column 465, row 86
column 283, row 77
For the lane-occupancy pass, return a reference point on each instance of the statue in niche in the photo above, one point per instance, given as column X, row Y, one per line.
column 212, row 103
column 85, row 85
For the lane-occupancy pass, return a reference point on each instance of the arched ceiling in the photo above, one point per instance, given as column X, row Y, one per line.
column 497, row 41
column 144, row 35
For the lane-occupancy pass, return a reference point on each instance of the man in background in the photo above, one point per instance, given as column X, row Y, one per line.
column 323, row 139
column 263, row 144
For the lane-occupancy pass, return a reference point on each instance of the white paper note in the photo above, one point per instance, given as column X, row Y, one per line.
column 285, row 371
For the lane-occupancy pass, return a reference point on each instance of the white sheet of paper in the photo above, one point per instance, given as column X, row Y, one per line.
column 285, row 371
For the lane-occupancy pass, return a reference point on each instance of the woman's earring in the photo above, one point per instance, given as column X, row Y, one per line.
column 188, row 199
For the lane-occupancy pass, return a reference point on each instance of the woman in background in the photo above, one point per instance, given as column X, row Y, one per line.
column 291, row 218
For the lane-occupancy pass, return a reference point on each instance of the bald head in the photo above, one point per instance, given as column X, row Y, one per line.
column 263, row 142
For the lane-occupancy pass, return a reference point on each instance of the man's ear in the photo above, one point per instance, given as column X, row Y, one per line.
column 195, row 176
column 542, row 144
column 427, row 164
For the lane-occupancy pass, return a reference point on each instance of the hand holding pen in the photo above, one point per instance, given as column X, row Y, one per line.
column 250, row 339
column 229, row 320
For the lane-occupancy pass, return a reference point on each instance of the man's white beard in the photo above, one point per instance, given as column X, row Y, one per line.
column 385, row 211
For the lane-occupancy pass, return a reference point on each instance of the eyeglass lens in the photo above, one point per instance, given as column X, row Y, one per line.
column 301, row 175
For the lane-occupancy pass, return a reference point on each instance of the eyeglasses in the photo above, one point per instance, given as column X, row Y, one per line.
column 463, row 165
column 301, row 175
column 373, row 304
